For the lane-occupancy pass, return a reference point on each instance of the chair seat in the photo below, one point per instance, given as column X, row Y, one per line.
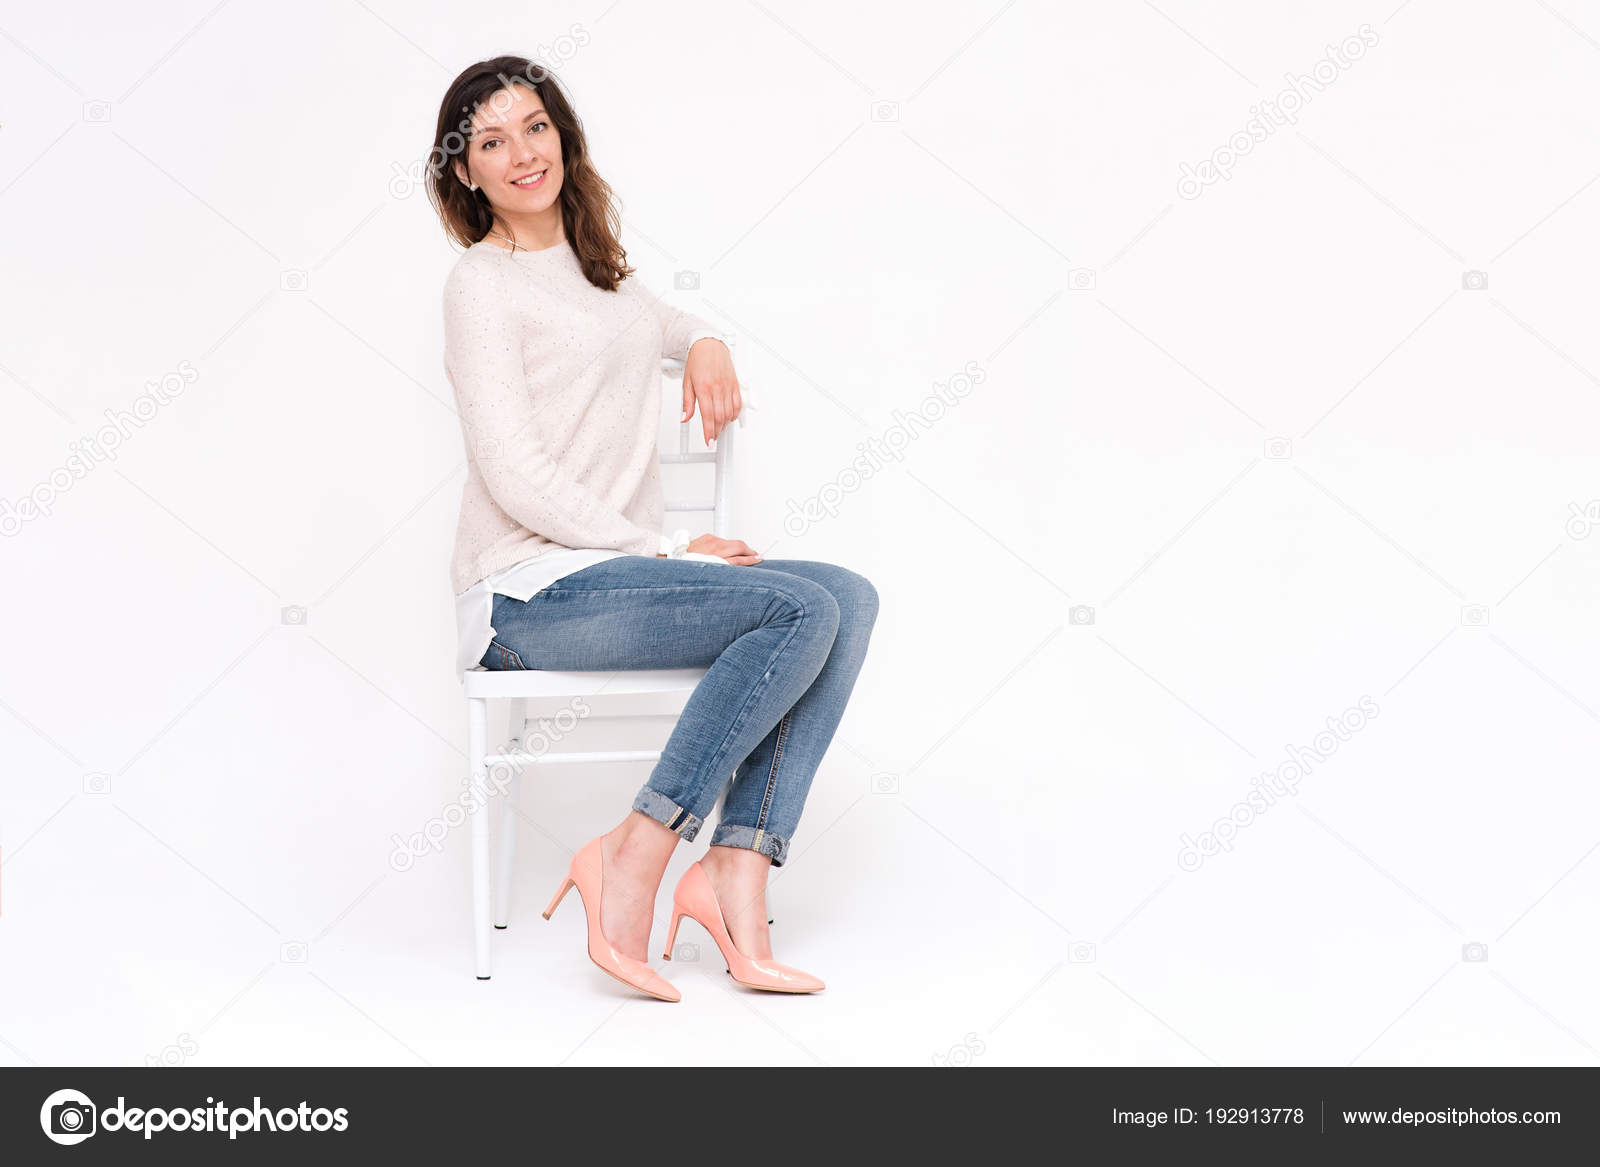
column 482, row 682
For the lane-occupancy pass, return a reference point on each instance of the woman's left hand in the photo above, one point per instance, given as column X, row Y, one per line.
column 708, row 378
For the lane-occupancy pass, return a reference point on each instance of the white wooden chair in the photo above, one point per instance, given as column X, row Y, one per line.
column 516, row 687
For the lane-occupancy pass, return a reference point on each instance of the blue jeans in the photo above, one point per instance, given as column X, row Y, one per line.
column 782, row 642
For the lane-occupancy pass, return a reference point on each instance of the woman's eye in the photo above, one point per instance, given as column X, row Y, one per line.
column 535, row 125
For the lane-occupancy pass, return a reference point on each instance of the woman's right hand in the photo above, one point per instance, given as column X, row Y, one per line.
column 733, row 550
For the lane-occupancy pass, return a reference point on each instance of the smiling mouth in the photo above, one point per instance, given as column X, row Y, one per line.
column 535, row 180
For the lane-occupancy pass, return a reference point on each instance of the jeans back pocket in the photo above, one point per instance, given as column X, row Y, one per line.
column 500, row 658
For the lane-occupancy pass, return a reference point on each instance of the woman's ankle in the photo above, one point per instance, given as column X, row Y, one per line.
column 640, row 835
column 737, row 864
column 738, row 877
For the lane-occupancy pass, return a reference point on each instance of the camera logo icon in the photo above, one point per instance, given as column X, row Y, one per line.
column 97, row 111
column 885, row 782
column 1080, row 614
column 1081, row 279
column 1475, row 615
column 68, row 1117
column 293, row 614
column 1278, row 449
column 1475, row 281
column 1475, row 952
column 885, row 111
column 686, row 281
column 1080, row 952
column 293, row 279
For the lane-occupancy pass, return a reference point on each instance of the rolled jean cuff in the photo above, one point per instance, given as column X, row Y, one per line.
column 774, row 847
column 666, row 812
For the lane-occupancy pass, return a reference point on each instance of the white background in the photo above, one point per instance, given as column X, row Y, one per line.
column 196, row 794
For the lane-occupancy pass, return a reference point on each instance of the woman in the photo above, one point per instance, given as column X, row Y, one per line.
column 555, row 356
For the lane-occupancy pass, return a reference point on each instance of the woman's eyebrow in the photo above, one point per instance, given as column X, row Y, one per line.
column 498, row 126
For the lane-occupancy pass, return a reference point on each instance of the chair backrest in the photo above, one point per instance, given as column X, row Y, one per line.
column 721, row 458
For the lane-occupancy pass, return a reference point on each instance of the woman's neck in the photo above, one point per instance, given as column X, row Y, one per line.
column 537, row 233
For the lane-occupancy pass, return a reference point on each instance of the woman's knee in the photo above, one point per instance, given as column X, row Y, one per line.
column 858, row 599
column 810, row 604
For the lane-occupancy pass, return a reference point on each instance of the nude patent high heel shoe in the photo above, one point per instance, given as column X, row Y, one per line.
column 587, row 874
column 695, row 898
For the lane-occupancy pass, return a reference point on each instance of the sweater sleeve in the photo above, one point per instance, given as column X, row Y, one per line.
column 679, row 329
column 483, row 337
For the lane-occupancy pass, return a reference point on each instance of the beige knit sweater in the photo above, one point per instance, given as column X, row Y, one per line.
column 559, row 388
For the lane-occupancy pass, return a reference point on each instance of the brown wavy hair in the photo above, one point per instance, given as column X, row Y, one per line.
column 588, row 206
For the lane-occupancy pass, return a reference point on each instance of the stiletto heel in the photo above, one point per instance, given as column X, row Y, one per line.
column 695, row 898
column 587, row 874
column 560, row 895
column 672, row 934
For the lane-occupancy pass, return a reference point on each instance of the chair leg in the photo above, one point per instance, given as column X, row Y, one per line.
column 506, row 849
column 478, row 733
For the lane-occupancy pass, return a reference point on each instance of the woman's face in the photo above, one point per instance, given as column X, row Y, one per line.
column 512, row 139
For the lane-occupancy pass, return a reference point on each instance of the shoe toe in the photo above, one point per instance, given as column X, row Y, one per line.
column 787, row 978
column 803, row 982
column 659, row 986
column 638, row 974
